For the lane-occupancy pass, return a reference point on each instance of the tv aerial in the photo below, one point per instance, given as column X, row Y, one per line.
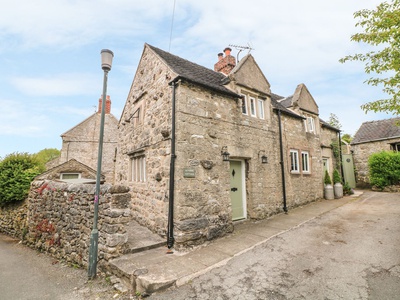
column 241, row 48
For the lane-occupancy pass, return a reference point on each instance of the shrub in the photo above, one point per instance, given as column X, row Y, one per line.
column 336, row 176
column 327, row 178
column 17, row 171
column 384, row 169
column 347, row 190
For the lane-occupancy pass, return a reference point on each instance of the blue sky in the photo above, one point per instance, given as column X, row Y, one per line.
column 51, row 76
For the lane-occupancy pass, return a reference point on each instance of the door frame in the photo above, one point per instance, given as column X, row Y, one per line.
column 244, row 200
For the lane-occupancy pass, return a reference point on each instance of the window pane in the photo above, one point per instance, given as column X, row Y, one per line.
column 252, row 107
column 305, row 161
column 244, row 105
column 294, row 159
column 261, row 109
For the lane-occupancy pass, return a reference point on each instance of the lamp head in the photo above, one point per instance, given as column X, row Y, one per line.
column 106, row 59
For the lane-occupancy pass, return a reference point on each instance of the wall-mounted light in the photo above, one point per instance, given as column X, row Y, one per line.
column 264, row 158
column 225, row 154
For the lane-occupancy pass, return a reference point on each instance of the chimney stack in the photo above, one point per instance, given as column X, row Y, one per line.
column 108, row 105
column 225, row 64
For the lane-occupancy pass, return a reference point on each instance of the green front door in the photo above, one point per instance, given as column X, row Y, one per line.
column 237, row 193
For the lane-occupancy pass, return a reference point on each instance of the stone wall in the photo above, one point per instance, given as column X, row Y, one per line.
column 60, row 220
column 149, row 132
column 361, row 154
column 13, row 219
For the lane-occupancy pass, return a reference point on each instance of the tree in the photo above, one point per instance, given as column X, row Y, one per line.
column 17, row 171
column 381, row 29
column 334, row 121
column 347, row 138
column 46, row 155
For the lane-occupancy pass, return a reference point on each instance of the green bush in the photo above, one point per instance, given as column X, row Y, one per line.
column 336, row 176
column 17, row 171
column 384, row 168
column 327, row 178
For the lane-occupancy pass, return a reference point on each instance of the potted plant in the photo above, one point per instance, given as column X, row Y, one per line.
column 337, row 184
column 328, row 189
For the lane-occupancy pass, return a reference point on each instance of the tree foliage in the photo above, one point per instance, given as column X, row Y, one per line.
column 381, row 29
column 17, row 171
column 334, row 121
column 347, row 138
column 46, row 155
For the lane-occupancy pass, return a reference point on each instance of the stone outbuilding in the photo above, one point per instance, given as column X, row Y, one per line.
column 370, row 138
column 201, row 149
column 81, row 144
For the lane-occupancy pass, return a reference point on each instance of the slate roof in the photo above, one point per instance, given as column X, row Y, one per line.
column 376, row 131
column 194, row 73
column 327, row 125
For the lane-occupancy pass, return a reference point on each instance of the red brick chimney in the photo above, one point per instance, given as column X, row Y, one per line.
column 108, row 105
column 225, row 64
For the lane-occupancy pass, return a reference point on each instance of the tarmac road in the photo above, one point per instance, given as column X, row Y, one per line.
column 27, row 274
column 352, row 252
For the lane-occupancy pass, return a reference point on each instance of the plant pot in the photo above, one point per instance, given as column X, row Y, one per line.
column 328, row 192
column 338, row 190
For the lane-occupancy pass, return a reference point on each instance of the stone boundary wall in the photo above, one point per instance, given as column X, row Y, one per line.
column 60, row 220
column 13, row 219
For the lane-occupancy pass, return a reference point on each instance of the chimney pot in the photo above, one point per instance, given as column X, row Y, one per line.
column 225, row 64
column 227, row 51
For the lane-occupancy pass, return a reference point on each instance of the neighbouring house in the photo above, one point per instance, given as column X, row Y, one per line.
column 80, row 144
column 217, row 146
column 373, row 137
column 67, row 172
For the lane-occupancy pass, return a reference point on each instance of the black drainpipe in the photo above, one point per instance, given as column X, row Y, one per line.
column 281, row 162
column 170, row 234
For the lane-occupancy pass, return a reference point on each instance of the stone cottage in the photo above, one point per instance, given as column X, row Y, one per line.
column 201, row 148
column 373, row 137
column 81, row 143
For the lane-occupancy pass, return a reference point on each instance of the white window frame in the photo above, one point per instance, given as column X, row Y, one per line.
column 261, row 113
column 138, row 168
column 310, row 124
column 305, row 161
column 253, row 108
column 294, row 161
column 72, row 173
column 244, row 105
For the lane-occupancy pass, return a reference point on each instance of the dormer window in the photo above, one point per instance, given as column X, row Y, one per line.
column 253, row 107
column 309, row 124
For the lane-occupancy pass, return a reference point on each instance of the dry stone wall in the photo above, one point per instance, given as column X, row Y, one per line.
column 60, row 220
column 13, row 219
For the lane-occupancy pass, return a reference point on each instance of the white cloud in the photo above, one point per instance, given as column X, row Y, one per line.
column 66, row 23
column 60, row 85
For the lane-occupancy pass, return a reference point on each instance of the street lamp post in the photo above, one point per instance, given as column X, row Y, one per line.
column 106, row 62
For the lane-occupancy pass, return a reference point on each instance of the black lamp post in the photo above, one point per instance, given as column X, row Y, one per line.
column 106, row 62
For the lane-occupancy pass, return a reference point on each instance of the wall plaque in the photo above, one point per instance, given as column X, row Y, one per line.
column 189, row 173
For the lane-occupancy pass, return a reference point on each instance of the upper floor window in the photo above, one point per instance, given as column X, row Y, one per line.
column 244, row 105
column 261, row 109
column 294, row 161
column 305, row 162
column 253, row 107
column 310, row 124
